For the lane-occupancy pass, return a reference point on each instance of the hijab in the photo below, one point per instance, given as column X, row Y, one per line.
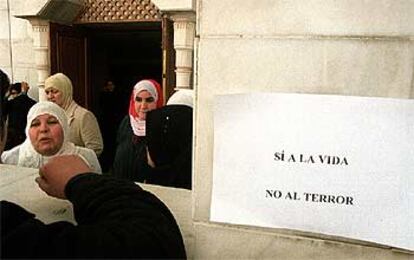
column 29, row 157
column 182, row 97
column 138, row 126
column 62, row 83
column 169, row 143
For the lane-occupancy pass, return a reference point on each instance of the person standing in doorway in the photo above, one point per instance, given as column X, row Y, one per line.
column 109, row 117
column 131, row 158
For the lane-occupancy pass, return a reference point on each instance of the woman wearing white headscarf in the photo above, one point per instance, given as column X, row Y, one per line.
column 47, row 136
column 83, row 127
column 183, row 97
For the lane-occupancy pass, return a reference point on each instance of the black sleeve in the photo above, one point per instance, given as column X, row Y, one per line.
column 176, row 174
column 23, row 236
column 116, row 218
column 15, row 216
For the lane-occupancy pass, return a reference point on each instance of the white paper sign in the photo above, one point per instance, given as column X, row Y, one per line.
column 335, row 165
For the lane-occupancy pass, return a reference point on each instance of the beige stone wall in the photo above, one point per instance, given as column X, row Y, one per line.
column 5, row 59
column 363, row 48
column 16, row 45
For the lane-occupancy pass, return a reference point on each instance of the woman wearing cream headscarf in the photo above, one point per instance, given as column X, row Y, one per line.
column 46, row 136
column 130, row 160
column 83, row 127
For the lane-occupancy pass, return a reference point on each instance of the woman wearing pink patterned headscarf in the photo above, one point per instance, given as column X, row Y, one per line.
column 130, row 159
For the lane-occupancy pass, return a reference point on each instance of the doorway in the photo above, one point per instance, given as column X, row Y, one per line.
column 123, row 55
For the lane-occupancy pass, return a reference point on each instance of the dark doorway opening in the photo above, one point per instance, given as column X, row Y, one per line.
column 123, row 54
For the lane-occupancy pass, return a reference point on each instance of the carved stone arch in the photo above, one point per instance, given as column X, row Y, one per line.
column 104, row 11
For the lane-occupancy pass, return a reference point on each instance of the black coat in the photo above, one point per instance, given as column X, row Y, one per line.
column 169, row 140
column 116, row 218
column 130, row 160
column 17, row 110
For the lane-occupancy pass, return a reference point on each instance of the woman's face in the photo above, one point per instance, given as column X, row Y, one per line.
column 55, row 96
column 144, row 102
column 46, row 134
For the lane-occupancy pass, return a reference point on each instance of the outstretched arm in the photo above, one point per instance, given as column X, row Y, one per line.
column 116, row 218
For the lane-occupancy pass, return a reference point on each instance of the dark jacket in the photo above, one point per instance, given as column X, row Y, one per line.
column 17, row 110
column 130, row 160
column 116, row 218
column 109, row 118
column 169, row 140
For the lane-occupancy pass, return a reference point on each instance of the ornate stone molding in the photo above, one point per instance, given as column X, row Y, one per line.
column 103, row 11
column 41, row 47
column 41, row 28
column 184, row 33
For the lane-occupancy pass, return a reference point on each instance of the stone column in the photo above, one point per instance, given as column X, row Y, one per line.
column 41, row 46
column 184, row 32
